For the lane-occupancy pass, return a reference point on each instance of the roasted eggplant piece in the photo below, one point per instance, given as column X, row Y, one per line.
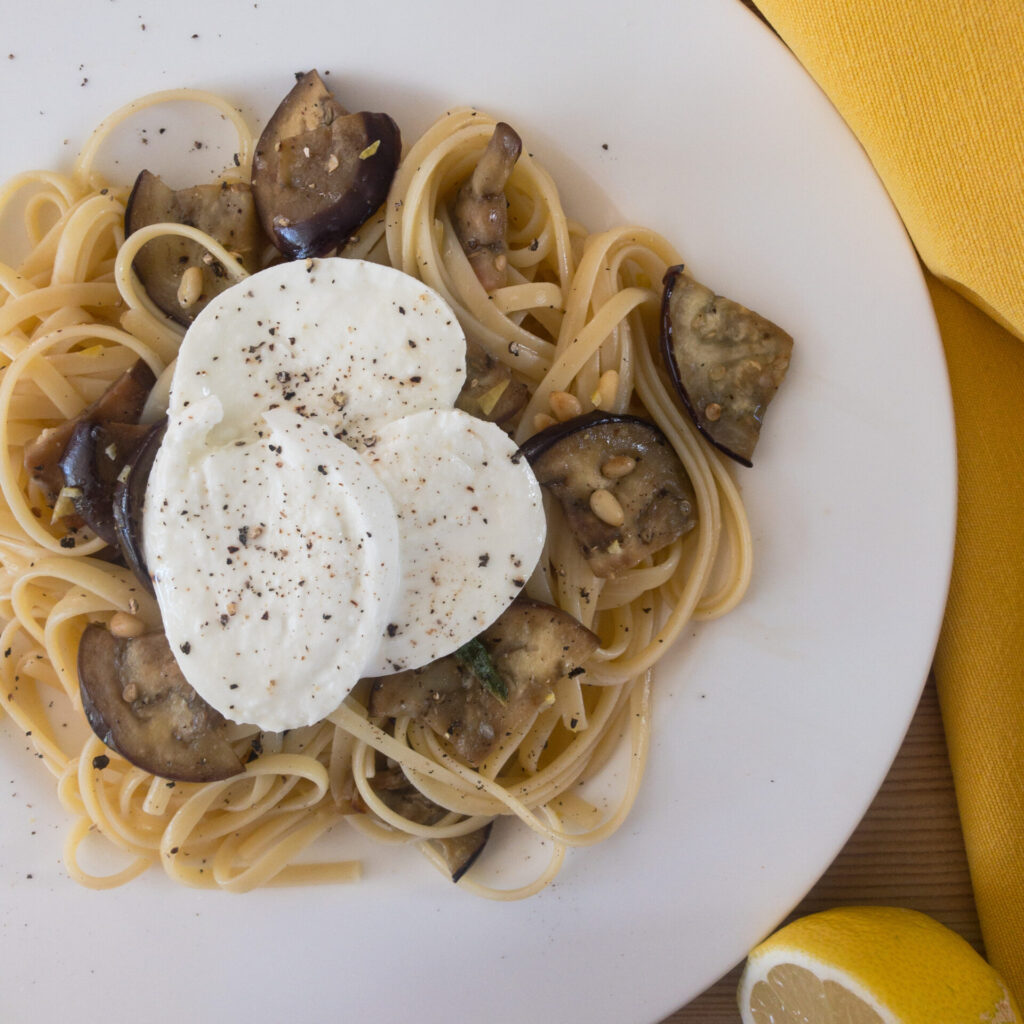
column 459, row 852
column 623, row 490
column 726, row 362
column 491, row 392
column 122, row 402
column 531, row 646
column 179, row 275
column 320, row 172
column 481, row 210
column 139, row 704
column 129, row 498
column 95, row 457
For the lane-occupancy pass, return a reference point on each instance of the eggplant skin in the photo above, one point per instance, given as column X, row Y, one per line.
column 531, row 646
column 121, row 403
column 129, row 499
column 224, row 211
column 726, row 362
column 140, row 705
column 319, row 172
column 92, row 461
column 459, row 853
column 655, row 497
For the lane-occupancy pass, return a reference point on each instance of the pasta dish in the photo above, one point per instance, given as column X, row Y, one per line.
column 578, row 347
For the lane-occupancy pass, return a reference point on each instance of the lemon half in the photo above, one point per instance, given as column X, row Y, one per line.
column 871, row 965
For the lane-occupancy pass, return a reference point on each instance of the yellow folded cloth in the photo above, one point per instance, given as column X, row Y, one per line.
column 934, row 90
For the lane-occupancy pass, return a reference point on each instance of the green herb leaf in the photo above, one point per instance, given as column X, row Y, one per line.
column 475, row 657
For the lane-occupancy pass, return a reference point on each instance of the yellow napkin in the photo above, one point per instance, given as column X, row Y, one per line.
column 934, row 90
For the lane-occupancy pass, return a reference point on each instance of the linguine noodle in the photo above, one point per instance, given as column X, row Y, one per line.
column 579, row 316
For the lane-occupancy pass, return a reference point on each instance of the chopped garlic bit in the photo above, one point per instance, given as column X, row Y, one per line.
column 65, row 503
column 489, row 399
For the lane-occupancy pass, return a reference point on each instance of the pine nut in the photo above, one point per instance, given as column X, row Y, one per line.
column 618, row 466
column 564, row 406
column 712, row 411
column 542, row 421
column 606, row 507
column 607, row 389
column 190, row 287
column 126, row 626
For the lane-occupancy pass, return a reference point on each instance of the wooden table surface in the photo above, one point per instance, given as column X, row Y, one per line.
column 908, row 851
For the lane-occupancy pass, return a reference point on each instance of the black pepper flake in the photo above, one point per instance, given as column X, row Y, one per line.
column 604, row 145
column 67, row 542
column 483, row 560
column 415, row 380
column 186, row 648
column 173, row 850
column 322, row 470
column 265, row 616
column 519, row 581
column 233, row 686
column 243, row 536
column 225, row 619
column 100, row 761
column 392, row 628
column 7, row 653
column 534, row 245
column 577, row 671
column 401, row 309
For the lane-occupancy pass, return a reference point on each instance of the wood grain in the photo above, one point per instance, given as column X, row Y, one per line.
column 908, row 851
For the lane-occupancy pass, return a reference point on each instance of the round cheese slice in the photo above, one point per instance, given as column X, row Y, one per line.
column 275, row 563
column 471, row 527
column 349, row 344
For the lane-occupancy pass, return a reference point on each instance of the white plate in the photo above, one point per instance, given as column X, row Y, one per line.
column 774, row 726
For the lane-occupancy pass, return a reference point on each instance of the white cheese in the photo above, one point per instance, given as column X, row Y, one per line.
column 471, row 527
column 275, row 562
column 350, row 344
column 317, row 511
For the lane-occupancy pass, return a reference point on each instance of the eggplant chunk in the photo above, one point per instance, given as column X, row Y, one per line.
column 139, row 704
column 93, row 460
column 129, row 499
column 459, row 852
column 623, row 490
column 726, row 362
column 481, row 211
column 224, row 211
column 319, row 172
column 122, row 402
column 531, row 646
column 491, row 392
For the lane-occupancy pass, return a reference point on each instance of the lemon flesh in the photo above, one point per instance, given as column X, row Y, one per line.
column 871, row 965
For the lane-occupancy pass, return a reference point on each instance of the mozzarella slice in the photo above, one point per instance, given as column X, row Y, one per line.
column 471, row 526
column 350, row 344
column 275, row 562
